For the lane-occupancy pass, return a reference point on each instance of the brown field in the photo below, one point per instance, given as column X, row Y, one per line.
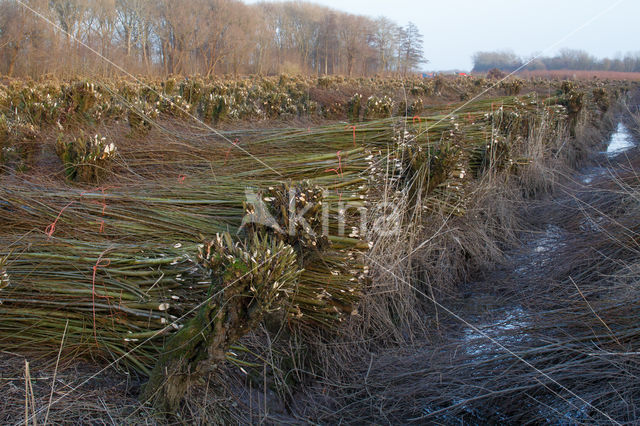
column 583, row 75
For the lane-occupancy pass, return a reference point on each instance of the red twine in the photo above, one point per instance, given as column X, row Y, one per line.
column 354, row 133
column 338, row 171
column 52, row 228
column 226, row 157
column 417, row 117
column 100, row 263
column 103, row 204
column 469, row 118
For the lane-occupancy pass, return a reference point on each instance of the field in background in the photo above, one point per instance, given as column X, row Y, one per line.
column 582, row 75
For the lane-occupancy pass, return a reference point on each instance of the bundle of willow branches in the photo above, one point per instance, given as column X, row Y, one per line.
column 116, row 266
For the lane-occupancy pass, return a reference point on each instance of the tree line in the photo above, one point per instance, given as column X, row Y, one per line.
column 566, row 59
column 206, row 37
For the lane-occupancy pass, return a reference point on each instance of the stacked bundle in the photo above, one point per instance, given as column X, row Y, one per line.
column 119, row 262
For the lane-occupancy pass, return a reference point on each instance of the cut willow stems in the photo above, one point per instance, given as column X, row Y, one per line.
column 152, row 222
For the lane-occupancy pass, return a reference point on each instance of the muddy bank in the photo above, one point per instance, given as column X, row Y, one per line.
column 539, row 362
column 538, row 256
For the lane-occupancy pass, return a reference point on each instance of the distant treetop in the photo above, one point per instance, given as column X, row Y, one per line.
column 567, row 59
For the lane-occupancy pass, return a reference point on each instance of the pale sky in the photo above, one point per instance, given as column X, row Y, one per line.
column 455, row 29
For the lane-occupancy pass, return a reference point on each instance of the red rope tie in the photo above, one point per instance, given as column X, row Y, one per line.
column 226, row 157
column 354, row 133
column 52, row 227
column 181, row 179
column 338, row 171
column 102, row 203
column 419, row 120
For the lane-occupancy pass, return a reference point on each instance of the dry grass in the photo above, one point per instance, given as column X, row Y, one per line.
column 404, row 352
column 567, row 353
column 108, row 395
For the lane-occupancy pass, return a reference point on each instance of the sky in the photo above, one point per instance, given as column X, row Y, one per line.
column 455, row 29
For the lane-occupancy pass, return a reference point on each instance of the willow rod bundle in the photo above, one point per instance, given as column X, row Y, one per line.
column 119, row 260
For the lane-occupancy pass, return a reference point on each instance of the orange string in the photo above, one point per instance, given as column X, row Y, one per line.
column 417, row 117
column 52, row 227
column 354, row 133
column 338, row 171
column 226, row 157
column 100, row 263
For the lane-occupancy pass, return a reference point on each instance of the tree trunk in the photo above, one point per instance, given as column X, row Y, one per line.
column 240, row 295
column 200, row 346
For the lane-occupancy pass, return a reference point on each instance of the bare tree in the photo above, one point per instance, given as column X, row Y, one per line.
column 203, row 36
column 411, row 49
column 353, row 39
column 386, row 41
column 20, row 35
column 218, row 17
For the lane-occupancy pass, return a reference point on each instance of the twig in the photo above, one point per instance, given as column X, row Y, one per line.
column 594, row 312
column 55, row 372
